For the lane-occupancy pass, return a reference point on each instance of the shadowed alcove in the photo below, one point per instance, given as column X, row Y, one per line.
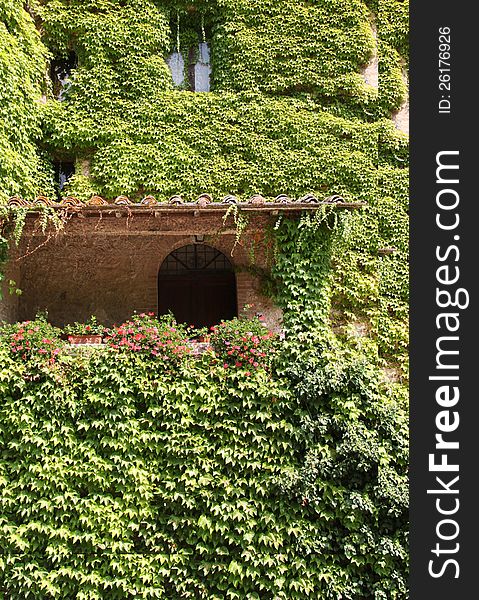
column 198, row 285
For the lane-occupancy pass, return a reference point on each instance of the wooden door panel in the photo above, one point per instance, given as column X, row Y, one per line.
column 216, row 299
column 174, row 294
column 198, row 298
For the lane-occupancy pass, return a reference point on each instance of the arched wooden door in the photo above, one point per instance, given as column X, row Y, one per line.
column 198, row 285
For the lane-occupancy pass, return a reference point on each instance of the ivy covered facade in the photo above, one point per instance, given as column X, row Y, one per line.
column 97, row 99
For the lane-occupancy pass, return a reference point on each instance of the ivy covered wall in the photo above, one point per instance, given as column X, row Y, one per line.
column 279, row 71
column 289, row 112
column 22, row 81
column 142, row 471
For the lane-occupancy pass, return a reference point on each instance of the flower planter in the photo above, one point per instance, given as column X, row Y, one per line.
column 84, row 339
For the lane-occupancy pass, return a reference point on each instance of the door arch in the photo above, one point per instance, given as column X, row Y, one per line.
column 198, row 285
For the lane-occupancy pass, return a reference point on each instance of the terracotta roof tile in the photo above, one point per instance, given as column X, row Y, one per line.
column 203, row 201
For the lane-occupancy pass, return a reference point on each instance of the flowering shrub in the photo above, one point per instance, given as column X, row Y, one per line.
column 91, row 327
column 36, row 341
column 160, row 338
column 244, row 343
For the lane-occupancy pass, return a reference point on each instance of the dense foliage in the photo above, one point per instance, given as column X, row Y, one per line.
column 354, row 474
column 283, row 477
column 22, row 68
column 120, row 477
column 140, row 136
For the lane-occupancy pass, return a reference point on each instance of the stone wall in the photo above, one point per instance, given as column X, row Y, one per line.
column 107, row 265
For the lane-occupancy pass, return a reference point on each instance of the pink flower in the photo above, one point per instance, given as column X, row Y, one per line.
column 247, row 373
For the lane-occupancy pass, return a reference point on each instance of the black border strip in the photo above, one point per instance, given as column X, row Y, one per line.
column 443, row 544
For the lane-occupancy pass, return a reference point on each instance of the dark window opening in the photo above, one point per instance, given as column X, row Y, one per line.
column 189, row 63
column 60, row 74
column 198, row 285
column 63, row 172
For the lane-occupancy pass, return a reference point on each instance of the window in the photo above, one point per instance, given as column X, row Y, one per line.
column 195, row 257
column 60, row 74
column 189, row 62
column 177, row 67
column 199, row 72
column 198, row 285
column 63, row 172
column 199, row 68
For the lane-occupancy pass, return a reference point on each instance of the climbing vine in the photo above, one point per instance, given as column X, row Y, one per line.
column 208, row 481
column 248, row 135
column 289, row 112
column 22, row 66
column 143, row 470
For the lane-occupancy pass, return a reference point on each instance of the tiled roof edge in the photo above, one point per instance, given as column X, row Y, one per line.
column 176, row 200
